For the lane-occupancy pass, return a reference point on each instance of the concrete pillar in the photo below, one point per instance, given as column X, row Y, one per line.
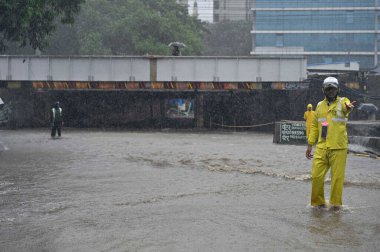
column 199, row 120
column 162, row 111
column 153, row 69
column 21, row 105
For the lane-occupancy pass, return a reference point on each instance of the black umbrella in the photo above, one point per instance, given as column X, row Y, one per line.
column 368, row 108
column 177, row 44
column 175, row 47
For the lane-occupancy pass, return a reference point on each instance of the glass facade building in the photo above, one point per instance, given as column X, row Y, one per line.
column 232, row 10
column 325, row 31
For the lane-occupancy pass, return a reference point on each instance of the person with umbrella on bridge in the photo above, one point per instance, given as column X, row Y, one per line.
column 176, row 48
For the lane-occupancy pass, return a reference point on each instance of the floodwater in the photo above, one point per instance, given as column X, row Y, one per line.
column 168, row 191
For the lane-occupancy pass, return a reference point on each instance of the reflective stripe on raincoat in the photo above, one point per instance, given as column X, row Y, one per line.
column 336, row 116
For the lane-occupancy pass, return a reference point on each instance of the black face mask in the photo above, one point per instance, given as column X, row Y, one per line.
column 331, row 93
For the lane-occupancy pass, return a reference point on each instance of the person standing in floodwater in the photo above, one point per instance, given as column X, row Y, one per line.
column 308, row 116
column 56, row 120
column 329, row 128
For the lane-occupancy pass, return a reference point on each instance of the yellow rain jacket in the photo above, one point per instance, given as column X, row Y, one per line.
column 336, row 116
column 331, row 152
column 308, row 116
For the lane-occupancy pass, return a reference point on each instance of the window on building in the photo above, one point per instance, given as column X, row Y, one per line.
column 216, row 5
column 327, row 59
column 279, row 40
column 216, row 17
column 349, row 42
column 349, row 17
column 315, row 37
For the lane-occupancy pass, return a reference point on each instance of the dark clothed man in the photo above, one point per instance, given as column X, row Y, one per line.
column 56, row 120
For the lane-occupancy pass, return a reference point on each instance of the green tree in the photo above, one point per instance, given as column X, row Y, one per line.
column 30, row 22
column 91, row 43
column 228, row 38
column 64, row 41
column 127, row 27
column 137, row 27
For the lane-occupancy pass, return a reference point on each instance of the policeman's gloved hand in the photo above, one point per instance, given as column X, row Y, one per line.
column 351, row 105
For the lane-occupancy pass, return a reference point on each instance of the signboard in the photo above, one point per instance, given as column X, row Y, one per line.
column 180, row 108
column 14, row 84
column 291, row 132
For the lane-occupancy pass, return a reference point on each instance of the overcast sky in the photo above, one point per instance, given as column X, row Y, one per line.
column 204, row 9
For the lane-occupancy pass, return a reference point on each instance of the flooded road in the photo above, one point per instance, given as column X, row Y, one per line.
column 164, row 191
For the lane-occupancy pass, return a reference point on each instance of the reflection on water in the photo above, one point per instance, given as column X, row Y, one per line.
column 331, row 228
column 154, row 191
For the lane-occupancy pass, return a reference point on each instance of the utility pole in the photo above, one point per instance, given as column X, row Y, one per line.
column 376, row 36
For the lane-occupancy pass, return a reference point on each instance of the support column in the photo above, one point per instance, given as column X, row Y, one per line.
column 253, row 27
column 153, row 69
column 199, row 120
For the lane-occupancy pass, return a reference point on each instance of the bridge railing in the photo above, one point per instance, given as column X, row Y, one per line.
column 151, row 69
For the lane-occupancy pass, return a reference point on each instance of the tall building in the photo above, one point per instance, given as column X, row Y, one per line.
column 324, row 31
column 232, row 10
column 185, row 3
column 195, row 9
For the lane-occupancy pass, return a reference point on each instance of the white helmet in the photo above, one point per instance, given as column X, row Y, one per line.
column 331, row 82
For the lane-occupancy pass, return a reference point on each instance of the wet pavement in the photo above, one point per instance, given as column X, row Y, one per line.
column 167, row 191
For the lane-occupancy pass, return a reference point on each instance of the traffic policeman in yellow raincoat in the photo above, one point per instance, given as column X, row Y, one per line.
column 328, row 129
column 308, row 116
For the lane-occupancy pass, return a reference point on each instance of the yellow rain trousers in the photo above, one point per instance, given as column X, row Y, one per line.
column 331, row 151
column 323, row 159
